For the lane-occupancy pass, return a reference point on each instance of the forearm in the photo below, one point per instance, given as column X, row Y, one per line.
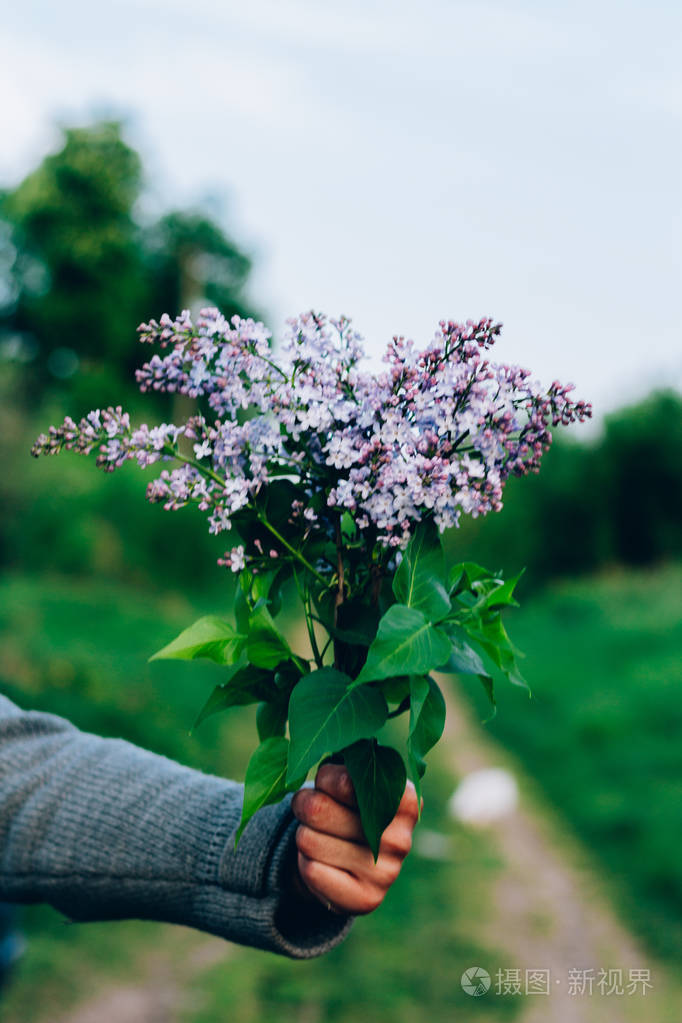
column 103, row 830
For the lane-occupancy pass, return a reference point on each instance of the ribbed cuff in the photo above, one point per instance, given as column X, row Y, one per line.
column 302, row 928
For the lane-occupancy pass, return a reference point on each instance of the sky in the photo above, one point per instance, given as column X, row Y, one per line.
column 401, row 163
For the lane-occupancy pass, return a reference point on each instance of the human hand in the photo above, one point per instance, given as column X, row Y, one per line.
column 335, row 864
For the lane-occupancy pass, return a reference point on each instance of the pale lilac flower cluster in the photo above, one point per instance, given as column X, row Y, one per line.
column 437, row 433
column 110, row 431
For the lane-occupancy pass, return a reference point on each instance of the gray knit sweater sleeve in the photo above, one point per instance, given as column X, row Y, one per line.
column 103, row 830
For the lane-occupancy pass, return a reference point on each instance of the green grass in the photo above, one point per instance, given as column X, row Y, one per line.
column 603, row 732
column 80, row 650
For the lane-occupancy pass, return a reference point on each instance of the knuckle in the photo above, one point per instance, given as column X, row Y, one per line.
column 310, row 806
column 306, row 867
column 386, row 871
column 336, row 781
column 392, row 869
column 298, row 803
column 325, row 775
column 306, row 840
column 317, row 806
column 399, row 841
column 369, row 899
column 346, row 790
column 314, row 872
column 405, row 842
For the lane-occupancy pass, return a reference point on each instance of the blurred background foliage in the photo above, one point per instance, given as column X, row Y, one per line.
column 80, row 267
column 95, row 579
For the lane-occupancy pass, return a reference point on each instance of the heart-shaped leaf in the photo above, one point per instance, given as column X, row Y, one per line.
column 395, row 689
column 465, row 574
column 491, row 636
column 502, row 595
column 427, row 720
column 463, row 659
column 241, row 606
column 420, row 579
column 489, row 689
column 265, row 779
column 267, row 586
column 427, row 714
column 326, row 713
column 378, row 776
column 406, row 644
column 247, row 684
column 209, row 637
column 266, row 647
column 271, row 718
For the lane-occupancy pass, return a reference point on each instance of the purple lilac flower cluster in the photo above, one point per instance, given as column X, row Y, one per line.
column 437, row 433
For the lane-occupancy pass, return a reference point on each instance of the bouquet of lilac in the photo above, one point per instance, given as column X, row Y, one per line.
column 338, row 482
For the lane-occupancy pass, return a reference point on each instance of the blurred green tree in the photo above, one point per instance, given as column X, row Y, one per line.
column 641, row 473
column 79, row 270
column 73, row 256
column 190, row 260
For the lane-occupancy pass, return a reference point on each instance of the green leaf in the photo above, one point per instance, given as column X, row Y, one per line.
column 416, row 765
column 415, row 772
column 348, row 527
column 489, row 689
column 378, row 776
column 502, row 595
column 455, row 576
column 406, row 644
column 266, row 647
column 265, row 779
column 463, row 660
column 492, row 637
column 267, row 586
column 419, row 581
column 464, row 575
column 242, row 610
column 427, row 715
column 475, row 572
column 287, row 675
column 247, row 684
column 271, row 718
column 326, row 713
column 209, row 637
column 395, row 689
column 427, row 720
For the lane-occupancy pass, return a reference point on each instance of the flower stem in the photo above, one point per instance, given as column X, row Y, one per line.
column 205, row 471
column 199, row 467
column 292, row 550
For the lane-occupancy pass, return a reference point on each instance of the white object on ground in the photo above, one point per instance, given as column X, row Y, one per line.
column 484, row 796
column 432, row 845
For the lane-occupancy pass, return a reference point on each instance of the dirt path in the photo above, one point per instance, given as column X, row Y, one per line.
column 549, row 909
column 160, row 993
